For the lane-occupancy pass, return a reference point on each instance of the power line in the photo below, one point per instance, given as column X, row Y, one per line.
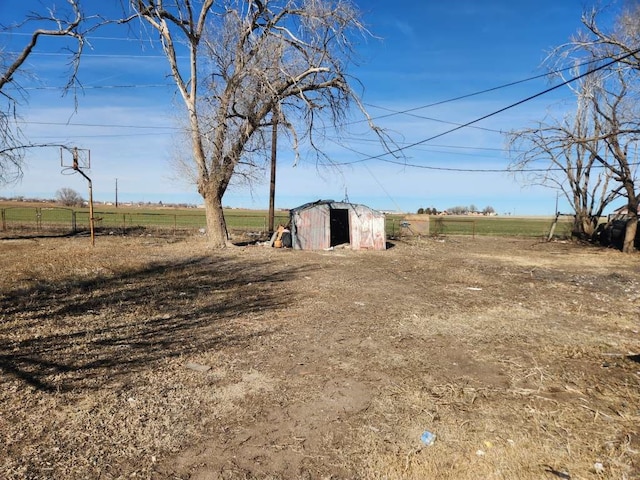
column 413, row 165
column 351, row 139
column 90, row 37
column 392, row 112
column 407, row 146
column 381, row 186
column 473, row 94
column 434, row 145
column 105, row 135
column 99, row 125
column 496, row 112
column 431, row 148
column 340, row 143
column 99, row 55
column 405, row 112
column 105, row 87
column 469, row 170
column 497, row 170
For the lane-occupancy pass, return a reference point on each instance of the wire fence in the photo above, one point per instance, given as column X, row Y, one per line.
column 26, row 220
column 20, row 221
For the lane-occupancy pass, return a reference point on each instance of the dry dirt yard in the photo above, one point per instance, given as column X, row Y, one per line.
column 161, row 358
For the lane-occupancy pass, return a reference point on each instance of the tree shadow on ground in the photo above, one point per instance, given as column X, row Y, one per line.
column 83, row 333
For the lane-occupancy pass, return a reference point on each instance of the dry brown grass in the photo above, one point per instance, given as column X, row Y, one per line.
column 164, row 359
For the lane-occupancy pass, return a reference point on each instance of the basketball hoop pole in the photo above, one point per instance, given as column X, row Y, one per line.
column 91, row 219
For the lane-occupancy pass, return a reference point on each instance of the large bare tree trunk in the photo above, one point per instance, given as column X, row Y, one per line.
column 216, row 226
column 633, row 201
column 583, row 225
column 630, row 234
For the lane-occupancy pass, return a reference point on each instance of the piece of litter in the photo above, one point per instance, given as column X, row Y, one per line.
column 480, row 453
column 428, row 438
column 598, row 467
column 475, row 289
column 360, row 304
column 197, row 367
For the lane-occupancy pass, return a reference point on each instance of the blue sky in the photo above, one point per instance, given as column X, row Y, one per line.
column 424, row 52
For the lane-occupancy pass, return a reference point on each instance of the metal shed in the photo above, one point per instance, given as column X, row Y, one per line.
column 324, row 224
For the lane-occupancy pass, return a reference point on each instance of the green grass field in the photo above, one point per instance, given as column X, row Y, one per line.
column 49, row 217
column 505, row 226
column 487, row 226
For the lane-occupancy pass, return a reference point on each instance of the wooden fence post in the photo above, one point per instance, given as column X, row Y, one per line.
column 38, row 219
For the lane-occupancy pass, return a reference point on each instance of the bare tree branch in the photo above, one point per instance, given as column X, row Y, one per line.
column 12, row 153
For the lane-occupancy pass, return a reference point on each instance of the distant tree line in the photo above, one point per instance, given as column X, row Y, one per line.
column 459, row 210
column 427, row 211
column 70, row 198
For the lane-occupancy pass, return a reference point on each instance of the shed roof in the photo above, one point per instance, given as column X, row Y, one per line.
column 311, row 204
column 331, row 202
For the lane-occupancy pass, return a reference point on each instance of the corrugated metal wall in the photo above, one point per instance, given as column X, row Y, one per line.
column 367, row 229
column 311, row 231
column 311, row 226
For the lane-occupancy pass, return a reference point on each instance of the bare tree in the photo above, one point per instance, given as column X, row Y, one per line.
column 564, row 155
column 604, row 131
column 69, row 197
column 488, row 210
column 246, row 57
column 616, row 102
column 53, row 23
column 618, row 117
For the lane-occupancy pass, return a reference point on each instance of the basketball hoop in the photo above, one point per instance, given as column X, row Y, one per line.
column 74, row 160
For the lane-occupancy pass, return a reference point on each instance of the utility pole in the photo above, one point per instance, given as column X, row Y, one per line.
column 272, row 186
column 116, row 193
